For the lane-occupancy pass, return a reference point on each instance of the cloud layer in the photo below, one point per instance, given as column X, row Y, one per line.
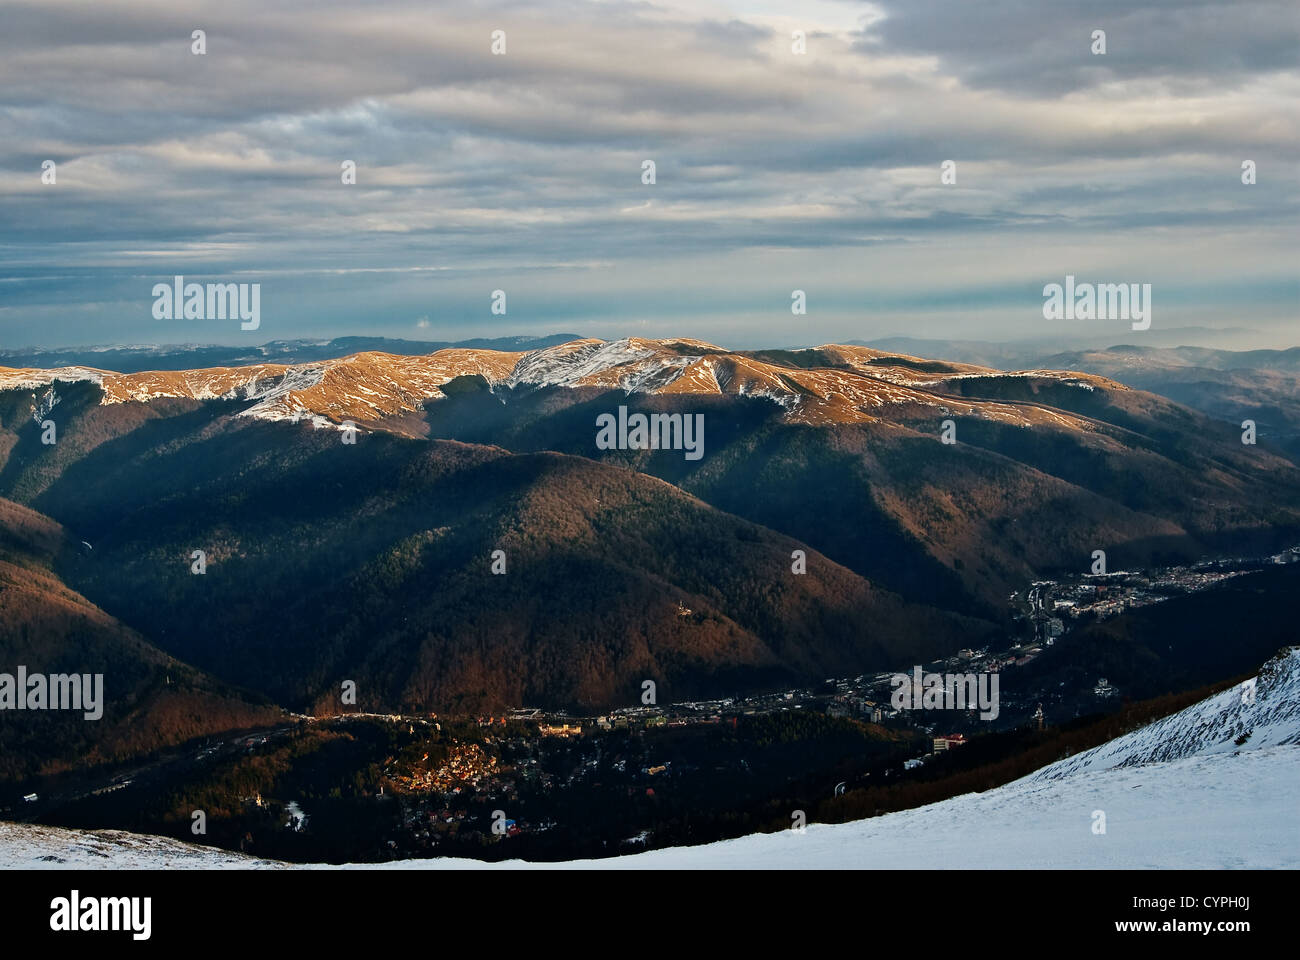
column 774, row 170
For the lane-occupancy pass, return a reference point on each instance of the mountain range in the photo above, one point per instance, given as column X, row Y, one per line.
column 1262, row 386
column 375, row 561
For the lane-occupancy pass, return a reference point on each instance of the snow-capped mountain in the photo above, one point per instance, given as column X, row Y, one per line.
column 828, row 384
column 1212, row 786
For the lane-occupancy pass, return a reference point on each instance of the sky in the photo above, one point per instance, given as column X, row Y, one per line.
column 775, row 170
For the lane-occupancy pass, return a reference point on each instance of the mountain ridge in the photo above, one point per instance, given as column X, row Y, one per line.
column 820, row 385
column 834, row 452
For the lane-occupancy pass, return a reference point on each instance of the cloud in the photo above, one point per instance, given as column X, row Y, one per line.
column 1036, row 49
column 474, row 171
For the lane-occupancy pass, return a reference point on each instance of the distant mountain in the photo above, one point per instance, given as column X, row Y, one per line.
column 371, row 562
column 1014, row 355
column 1258, row 385
column 1024, row 351
column 821, row 386
column 1229, row 385
column 327, row 563
column 1048, row 465
column 133, row 359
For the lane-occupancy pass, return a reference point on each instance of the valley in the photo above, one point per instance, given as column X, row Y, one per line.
column 431, row 599
column 375, row 788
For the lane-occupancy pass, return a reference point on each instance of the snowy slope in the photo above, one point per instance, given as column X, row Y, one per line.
column 1209, row 811
column 1271, row 717
column 1179, row 793
column 843, row 384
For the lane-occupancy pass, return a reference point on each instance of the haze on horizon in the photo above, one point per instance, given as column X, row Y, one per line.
column 522, row 172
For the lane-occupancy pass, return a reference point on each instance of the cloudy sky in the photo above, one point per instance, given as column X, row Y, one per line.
column 775, row 170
